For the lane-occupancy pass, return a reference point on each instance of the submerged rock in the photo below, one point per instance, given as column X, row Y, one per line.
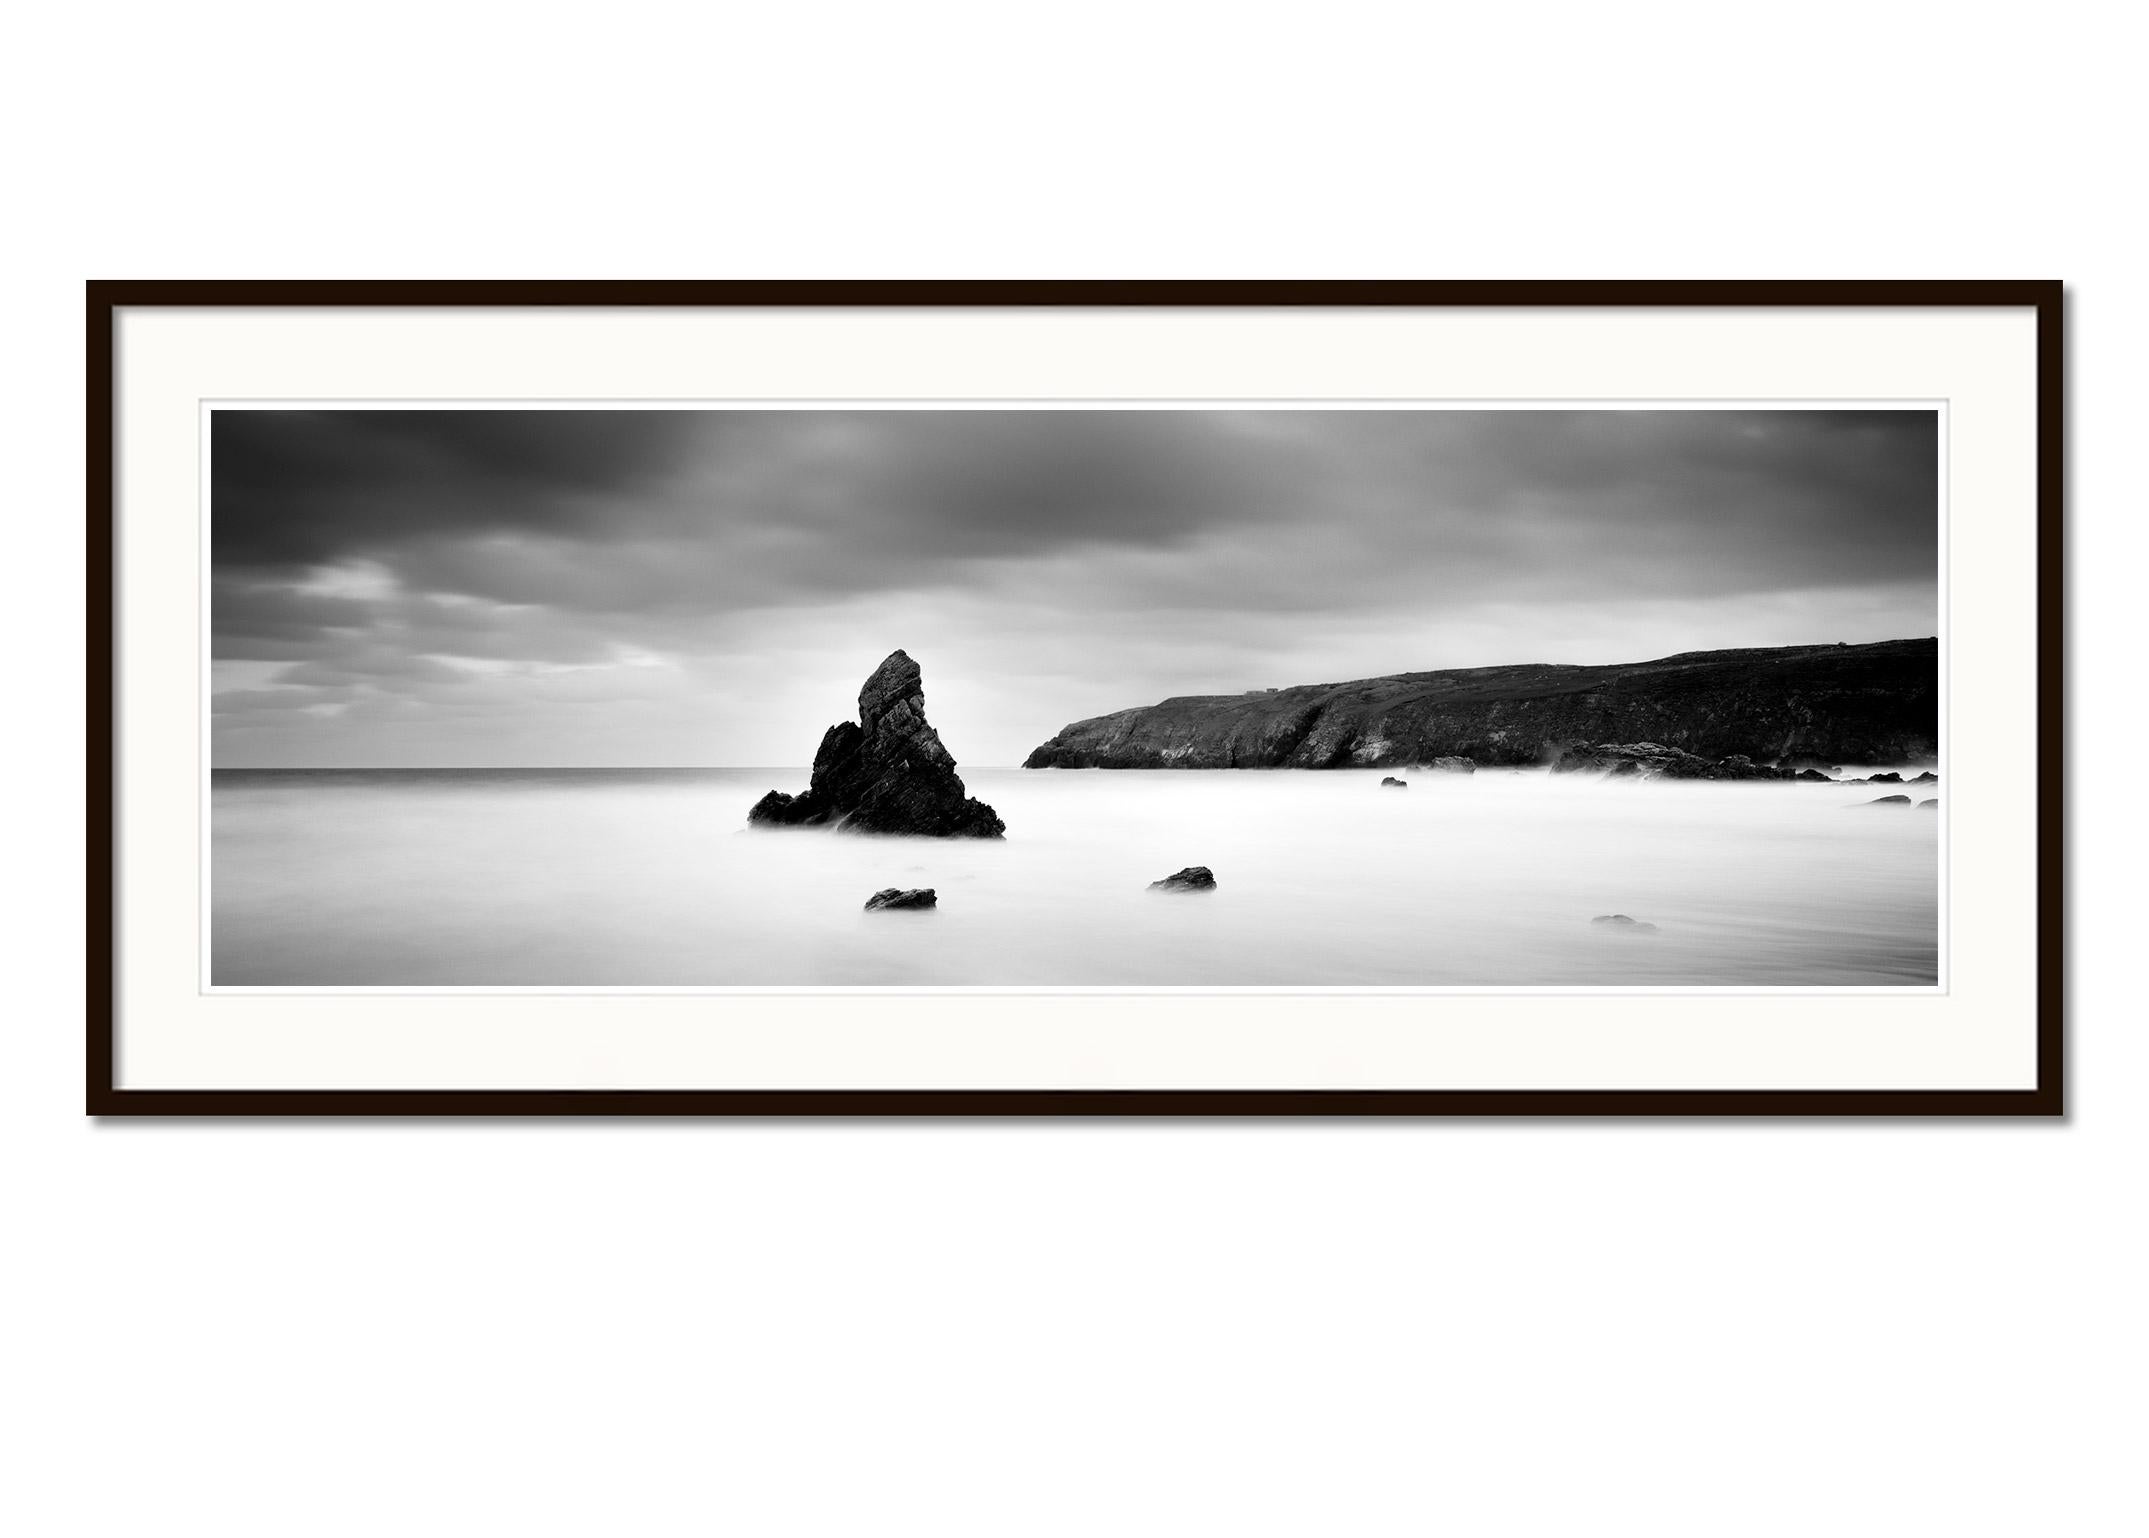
column 1621, row 923
column 1195, row 878
column 891, row 897
column 1653, row 760
column 1390, row 781
column 1888, row 801
column 887, row 773
column 1928, row 806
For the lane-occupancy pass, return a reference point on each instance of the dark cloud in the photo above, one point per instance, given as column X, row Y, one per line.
column 824, row 501
column 381, row 564
column 617, row 511
column 299, row 487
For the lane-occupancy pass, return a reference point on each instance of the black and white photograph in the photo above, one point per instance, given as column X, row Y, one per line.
column 970, row 771
column 1067, row 695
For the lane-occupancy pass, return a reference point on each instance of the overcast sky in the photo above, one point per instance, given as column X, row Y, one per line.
column 711, row 587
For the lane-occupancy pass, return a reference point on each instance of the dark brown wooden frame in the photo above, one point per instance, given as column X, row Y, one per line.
column 106, row 1098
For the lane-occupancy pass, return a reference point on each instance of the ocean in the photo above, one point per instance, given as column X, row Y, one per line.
column 621, row 878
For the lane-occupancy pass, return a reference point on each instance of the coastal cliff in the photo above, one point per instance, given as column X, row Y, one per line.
column 1876, row 703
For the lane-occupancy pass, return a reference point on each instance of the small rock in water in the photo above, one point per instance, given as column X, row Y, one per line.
column 1927, row 778
column 1813, row 774
column 1621, row 923
column 1195, row 878
column 1889, row 801
column 1929, row 806
column 1889, row 778
column 892, row 897
column 1391, row 780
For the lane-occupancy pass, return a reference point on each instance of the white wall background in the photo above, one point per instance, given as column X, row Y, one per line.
column 1043, row 1329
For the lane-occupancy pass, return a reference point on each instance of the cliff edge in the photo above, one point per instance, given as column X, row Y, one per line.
column 1876, row 703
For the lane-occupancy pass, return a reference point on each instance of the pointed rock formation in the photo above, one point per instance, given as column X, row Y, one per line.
column 888, row 773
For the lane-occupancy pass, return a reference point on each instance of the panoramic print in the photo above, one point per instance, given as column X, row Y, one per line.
column 1267, row 698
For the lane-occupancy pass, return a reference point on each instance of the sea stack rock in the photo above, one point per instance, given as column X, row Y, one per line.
column 888, row 773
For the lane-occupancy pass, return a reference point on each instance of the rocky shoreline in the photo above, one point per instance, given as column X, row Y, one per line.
column 1653, row 760
column 1776, row 707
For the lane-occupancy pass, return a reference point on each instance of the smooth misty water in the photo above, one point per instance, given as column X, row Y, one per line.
column 650, row 878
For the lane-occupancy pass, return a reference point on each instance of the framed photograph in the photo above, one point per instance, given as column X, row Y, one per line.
column 1075, row 698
